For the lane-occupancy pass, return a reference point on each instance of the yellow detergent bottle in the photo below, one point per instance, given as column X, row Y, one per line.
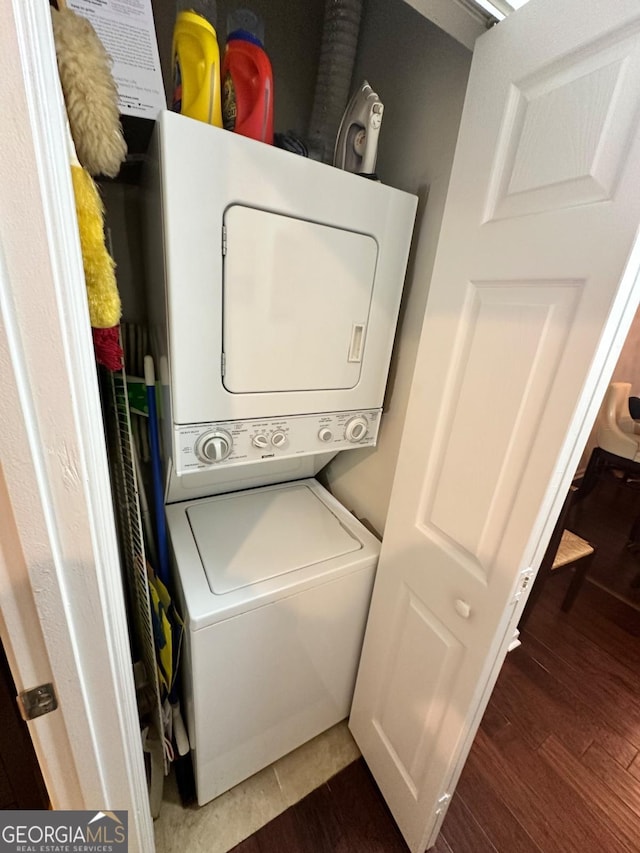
column 196, row 62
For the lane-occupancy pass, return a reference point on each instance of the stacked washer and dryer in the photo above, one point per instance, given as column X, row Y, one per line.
column 274, row 288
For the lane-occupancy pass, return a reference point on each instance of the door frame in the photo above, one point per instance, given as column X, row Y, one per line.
column 61, row 600
column 82, row 637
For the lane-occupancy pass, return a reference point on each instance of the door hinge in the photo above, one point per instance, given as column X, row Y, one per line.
column 224, row 240
column 37, row 701
column 223, row 364
column 443, row 802
column 523, row 584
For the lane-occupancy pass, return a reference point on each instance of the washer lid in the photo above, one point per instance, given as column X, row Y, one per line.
column 249, row 537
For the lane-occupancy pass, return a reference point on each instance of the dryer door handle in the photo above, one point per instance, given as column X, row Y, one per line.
column 357, row 342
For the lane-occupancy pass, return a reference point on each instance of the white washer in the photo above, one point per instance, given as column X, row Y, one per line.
column 275, row 585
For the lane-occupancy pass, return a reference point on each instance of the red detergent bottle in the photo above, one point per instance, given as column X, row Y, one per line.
column 247, row 79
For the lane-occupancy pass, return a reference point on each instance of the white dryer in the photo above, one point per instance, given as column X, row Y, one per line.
column 275, row 586
column 274, row 290
column 275, row 284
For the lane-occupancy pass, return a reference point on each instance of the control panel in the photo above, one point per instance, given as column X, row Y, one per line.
column 201, row 446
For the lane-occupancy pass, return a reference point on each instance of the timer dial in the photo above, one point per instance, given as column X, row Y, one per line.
column 356, row 429
column 214, row 446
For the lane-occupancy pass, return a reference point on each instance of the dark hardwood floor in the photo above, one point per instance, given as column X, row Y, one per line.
column 346, row 814
column 21, row 783
column 555, row 766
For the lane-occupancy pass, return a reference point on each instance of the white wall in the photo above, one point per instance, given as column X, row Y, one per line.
column 417, row 141
column 628, row 367
column 626, row 370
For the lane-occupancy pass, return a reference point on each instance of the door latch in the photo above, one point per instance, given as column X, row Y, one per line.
column 442, row 802
column 525, row 579
column 37, row 701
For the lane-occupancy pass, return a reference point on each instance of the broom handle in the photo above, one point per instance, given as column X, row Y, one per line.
column 156, row 467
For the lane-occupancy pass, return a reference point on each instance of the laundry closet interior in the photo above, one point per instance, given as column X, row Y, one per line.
column 420, row 73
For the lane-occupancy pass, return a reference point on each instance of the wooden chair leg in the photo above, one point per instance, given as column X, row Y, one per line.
column 581, row 569
column 634, row 535
column 595, row 467
column 534, row 595
column 549, row 556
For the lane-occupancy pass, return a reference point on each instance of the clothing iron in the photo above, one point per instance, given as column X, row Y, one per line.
column 357, row 140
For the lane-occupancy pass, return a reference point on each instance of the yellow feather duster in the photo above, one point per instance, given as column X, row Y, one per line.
column 99, row 268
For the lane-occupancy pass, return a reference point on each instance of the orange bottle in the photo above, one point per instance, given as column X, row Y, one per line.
column 247, row 85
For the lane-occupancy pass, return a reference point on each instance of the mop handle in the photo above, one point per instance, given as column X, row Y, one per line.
column 156, row 466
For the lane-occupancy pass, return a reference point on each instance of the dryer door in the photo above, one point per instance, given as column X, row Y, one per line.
column 296, row 303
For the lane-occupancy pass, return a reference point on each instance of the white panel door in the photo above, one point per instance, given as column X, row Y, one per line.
column 533, row 279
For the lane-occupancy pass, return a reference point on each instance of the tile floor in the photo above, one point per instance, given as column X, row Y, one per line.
column 237, row 814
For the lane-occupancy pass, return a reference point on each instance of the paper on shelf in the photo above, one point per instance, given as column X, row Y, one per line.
column 127, row 31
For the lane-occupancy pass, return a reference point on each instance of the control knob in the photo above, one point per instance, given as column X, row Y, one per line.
column 356, row 429
column 260, row 440
column 325, row 434
column 279, row 438
column 214, row 446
